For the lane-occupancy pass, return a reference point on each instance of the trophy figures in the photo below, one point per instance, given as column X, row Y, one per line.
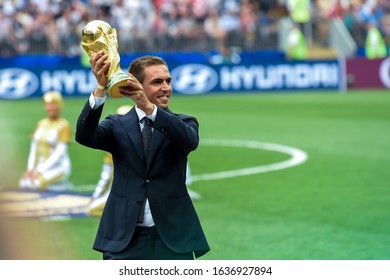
column 99, row 35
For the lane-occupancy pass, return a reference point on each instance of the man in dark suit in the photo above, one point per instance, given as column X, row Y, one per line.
column 149, row 213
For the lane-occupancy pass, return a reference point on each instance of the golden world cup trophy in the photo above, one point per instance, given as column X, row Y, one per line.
column 99, row 35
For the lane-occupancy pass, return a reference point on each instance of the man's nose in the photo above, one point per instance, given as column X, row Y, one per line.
column 165, row 86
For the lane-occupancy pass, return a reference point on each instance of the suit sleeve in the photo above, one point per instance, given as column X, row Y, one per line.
column 182, row 130
column 88, row 130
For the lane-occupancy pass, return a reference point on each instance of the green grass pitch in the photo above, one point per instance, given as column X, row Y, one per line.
column 336, row 205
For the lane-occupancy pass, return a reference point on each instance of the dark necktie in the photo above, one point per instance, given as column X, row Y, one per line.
column 146, row 138
column 146, row 135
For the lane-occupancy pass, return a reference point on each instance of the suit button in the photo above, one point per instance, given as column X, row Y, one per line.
column 139, row 201
column 147, row 181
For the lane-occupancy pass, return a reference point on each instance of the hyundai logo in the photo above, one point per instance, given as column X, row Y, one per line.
column 384, row 72
column 194, row 78
column 17, row 83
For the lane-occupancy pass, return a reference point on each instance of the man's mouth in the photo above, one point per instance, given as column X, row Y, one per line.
column 163, row 97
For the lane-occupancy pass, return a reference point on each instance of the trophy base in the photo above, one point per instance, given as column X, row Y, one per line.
column 116, row 81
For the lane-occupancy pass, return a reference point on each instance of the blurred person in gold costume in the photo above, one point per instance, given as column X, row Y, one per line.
column 49, row 165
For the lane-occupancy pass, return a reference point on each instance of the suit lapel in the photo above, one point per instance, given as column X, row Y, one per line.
column 157, row 139
column 131, row 124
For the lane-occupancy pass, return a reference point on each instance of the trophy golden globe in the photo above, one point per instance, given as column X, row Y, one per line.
column 99, row 35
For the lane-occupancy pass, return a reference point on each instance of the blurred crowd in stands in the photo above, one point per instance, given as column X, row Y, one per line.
column 54, row 26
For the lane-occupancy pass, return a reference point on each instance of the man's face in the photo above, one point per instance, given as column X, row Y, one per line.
column 157, row 85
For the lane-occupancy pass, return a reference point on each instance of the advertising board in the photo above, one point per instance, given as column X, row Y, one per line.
column 33, row 76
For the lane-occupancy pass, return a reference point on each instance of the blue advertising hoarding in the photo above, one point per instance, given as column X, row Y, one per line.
column 24, row 77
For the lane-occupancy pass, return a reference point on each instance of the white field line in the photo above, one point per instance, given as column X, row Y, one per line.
column 297, row 157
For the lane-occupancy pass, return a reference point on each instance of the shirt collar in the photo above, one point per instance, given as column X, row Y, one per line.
column 141, row 114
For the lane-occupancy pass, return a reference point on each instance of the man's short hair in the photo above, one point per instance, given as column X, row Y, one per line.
column 138, row 65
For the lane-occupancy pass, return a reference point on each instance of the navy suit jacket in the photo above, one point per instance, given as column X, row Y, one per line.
column 162, row 180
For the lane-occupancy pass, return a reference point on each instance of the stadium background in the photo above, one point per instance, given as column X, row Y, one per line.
column 334, row 205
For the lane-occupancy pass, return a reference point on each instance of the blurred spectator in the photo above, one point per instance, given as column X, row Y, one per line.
column 386, row 28
column 299, row 10
column 337, row 10
column 320, row 22
column 296, row 44
column 375, row 45
column 214, row 30
column 7, row 48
